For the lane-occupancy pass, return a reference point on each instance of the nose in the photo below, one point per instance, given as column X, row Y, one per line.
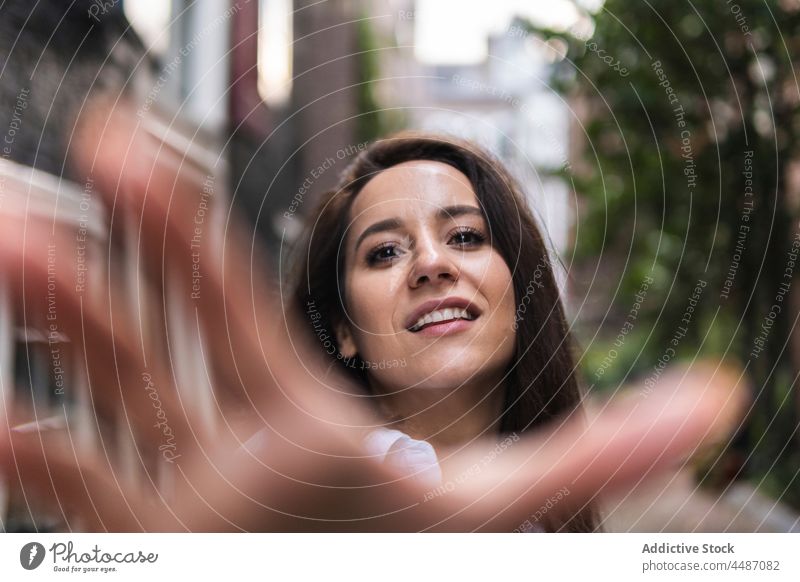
column 432, row 264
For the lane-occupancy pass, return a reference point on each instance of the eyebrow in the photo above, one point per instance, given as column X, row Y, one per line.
column 447, row 212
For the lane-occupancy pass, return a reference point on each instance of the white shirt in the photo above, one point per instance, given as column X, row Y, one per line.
column 412, row 457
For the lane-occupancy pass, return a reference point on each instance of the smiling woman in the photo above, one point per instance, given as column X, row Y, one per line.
column 422, row 254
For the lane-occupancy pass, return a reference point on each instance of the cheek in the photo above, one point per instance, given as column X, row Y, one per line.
column 371, row 300
column 500, row 332
column 499, row 290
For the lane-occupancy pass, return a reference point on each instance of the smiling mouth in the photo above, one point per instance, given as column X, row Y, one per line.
column 441, row 316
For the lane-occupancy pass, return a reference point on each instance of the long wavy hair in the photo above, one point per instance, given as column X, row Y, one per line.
column 540, row 384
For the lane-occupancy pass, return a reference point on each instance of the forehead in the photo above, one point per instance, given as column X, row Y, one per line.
column 420, row 187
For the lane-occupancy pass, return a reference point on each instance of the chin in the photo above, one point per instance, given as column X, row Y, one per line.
column 449, row 374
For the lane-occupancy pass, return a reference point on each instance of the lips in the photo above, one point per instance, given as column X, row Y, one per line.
column 439, row 311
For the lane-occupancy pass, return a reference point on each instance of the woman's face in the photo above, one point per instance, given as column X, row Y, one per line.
column 429, row 302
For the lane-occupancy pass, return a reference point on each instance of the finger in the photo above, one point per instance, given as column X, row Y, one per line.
column 171, row 209
column 122, row 387
column 257, row 350
column 643, row 434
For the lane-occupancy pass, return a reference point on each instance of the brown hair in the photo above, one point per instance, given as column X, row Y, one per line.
column 540, row 382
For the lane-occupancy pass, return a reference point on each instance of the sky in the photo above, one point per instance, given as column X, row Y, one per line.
column 456, row 31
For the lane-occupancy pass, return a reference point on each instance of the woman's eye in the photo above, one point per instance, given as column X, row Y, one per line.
column 382, row 254
column 467, row 237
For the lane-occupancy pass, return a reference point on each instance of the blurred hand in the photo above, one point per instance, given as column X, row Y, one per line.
column 312, row 472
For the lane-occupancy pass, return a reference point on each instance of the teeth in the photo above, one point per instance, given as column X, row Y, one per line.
column 442, row 315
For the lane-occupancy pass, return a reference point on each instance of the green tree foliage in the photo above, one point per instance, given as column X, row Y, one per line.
column 688, row 174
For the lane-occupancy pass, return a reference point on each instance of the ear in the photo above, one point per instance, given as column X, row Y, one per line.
column 344, row 337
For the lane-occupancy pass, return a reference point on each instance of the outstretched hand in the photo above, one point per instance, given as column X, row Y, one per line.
column 185, row 469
